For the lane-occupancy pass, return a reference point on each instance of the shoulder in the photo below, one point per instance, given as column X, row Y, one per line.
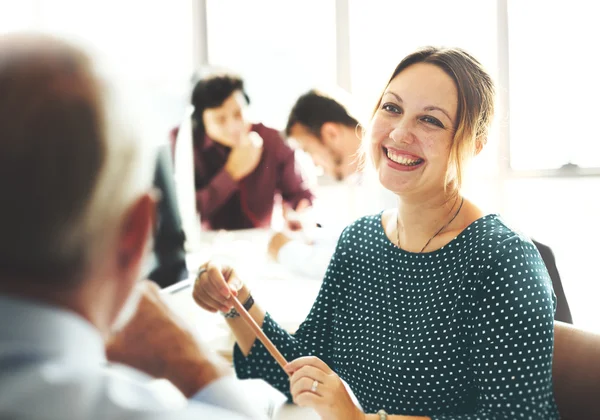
column 273, row 142
column 510, row 258
column 366, row 228
column 270, row 136
column 490, row 235
column 497, row 240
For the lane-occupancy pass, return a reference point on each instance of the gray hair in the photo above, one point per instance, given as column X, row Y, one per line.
column 70, row 166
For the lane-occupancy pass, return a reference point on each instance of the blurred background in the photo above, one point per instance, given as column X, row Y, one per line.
column 541, row 167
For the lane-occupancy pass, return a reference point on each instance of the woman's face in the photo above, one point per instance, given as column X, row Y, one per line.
column 412, row 130
column 226, row 124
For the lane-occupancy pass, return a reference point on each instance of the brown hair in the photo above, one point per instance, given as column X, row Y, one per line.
column 475, row 100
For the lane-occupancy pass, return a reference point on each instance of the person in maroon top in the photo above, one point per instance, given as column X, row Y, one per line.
column 239, row 168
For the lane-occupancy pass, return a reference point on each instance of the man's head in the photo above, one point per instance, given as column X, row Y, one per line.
column 76, row 213
column 326, row 131
column 219, row 102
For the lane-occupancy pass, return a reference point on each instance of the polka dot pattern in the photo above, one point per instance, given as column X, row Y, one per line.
column 463, row 332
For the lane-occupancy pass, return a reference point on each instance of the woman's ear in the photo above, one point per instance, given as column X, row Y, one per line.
column 479, row 143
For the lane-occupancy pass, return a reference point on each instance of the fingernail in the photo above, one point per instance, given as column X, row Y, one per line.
column 235, row 284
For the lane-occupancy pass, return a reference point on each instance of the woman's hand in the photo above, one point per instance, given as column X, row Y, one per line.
column 314, row 384
column 215, row 286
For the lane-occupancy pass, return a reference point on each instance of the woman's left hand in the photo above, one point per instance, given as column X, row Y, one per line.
column 314, row 384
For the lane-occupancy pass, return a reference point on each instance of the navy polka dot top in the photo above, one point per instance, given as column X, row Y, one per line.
column 463, row 332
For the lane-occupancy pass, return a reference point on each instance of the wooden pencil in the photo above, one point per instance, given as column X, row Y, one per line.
column 259, row 333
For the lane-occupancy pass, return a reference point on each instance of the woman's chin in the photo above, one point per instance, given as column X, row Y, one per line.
column 397, row 182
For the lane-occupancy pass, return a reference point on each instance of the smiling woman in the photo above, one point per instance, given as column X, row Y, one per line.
column 434, row 309
column 454, row 122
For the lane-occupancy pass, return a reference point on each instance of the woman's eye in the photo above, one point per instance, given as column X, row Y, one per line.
column 430, row 120
column 391, row 108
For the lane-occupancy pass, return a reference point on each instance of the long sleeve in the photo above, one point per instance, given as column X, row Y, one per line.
column 53, row 366
column 313, row 337
column 512, row 337
column 211, row 197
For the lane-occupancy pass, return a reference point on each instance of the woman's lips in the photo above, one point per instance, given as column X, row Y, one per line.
column 401, row 160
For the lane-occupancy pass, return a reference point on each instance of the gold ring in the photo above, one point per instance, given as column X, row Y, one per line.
column 314, row 386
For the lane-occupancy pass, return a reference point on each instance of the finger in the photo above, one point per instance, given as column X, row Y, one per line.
column 308, row 399
column 303, row 204
column 217, row 280
column 310, row 372
column 305, row 384
column 200, row 300
column 206, row 293
column 202, row 293
column 207, row 302
column 205, row 299
column 214, row 294
column 232, row 279
column 307, row 360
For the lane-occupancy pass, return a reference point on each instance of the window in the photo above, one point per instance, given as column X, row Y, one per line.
column 17, row 16
column 281, row 49
column 383, row 32
column 147, row 44
column 554, row 84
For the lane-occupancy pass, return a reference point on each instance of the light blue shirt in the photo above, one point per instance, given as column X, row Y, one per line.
column 53, row 366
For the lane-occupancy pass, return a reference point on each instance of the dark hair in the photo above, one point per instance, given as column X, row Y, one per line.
column 314, row 109
column 211, row 92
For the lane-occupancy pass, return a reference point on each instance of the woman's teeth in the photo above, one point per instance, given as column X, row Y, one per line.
column 402, row 160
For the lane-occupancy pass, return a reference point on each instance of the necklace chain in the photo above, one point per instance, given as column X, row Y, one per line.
column 436, row 234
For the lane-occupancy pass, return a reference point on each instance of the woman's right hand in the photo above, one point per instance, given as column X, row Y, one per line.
column 215, row 286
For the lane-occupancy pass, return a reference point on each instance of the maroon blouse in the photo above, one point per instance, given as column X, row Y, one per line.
column 248, row 203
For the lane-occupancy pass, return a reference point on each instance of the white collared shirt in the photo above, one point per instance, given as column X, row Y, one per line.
column 53, row 366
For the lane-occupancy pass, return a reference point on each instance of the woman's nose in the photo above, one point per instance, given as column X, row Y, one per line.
column 402, row 132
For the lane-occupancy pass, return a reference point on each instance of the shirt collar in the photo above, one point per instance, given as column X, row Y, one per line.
column 49, row 331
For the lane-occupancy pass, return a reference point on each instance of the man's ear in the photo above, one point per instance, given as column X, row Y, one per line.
column 136, row 231
column 330, row 133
